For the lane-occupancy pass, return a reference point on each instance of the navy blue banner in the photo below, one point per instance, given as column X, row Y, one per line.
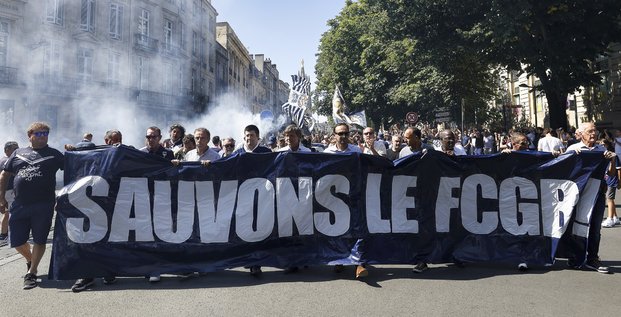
column 127, row 213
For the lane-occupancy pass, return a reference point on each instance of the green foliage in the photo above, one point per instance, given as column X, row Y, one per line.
column 393, row 56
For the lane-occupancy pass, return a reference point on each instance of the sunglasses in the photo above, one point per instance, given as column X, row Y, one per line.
column 368, row 133
column 228, row 145
column 152, row 136
column 41, row 133
column 342, row 133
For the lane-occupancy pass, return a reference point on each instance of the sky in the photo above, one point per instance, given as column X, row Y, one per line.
column 286, row 31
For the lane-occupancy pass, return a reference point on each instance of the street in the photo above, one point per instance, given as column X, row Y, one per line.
column 391, row 290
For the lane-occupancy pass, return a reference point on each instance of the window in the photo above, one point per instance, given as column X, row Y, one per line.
column 182, row 35
column 194, row 82
column 114, row 63
column 116, row 21
column 169, row 74
column 87, row 16
column 54, row 11
column 195, row 43
column 85, row 64
column 143, row 23
column 142, row 73
column 4, row 43
column 168, row 34
column 52, row 61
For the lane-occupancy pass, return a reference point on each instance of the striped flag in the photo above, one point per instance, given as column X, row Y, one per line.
column 301, row 84
column 295, row 112
column 298, row 101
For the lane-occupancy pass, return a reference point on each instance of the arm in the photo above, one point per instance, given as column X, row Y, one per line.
column 4, row 181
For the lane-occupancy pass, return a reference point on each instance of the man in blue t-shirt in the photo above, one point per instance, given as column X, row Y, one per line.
column 35, row 170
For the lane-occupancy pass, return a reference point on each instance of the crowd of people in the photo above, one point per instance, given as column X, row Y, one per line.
column 27, row 181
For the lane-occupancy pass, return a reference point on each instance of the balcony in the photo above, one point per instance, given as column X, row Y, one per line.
column 8, row 76
column 56, row 84
column 145, row 43
column 170, row 49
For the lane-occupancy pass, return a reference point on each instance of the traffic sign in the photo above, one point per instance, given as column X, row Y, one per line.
column 411, row 117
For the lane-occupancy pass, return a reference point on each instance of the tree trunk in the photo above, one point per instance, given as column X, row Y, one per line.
column 557, row 104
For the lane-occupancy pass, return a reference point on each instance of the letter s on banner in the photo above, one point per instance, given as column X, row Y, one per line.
column 337, row 206
column 97, row 218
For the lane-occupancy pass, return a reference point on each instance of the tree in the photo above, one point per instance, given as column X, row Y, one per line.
column 383, row 61
column 555, row 40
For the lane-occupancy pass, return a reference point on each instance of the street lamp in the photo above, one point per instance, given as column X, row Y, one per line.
column 534, row 99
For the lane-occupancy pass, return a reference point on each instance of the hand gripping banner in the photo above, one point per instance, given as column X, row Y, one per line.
column 123, row 212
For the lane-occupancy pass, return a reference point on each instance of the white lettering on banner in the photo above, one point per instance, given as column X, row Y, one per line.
column 336, row 205
column 132, row 192
column 97, row 218
column 294, row 208
column 445, row 202
column 509, row 207
column 162, row 212
column 244, row 214
column 585, row 206
column 470, row 208
column 215, row 221
column 558, row 198
column 401, row 202
column 257, row 204
column 375, row 223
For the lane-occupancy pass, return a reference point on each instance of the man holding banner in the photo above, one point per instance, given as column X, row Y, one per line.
column 35, row 170
column 588, row 136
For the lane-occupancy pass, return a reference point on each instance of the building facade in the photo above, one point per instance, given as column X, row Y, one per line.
column 77, row 55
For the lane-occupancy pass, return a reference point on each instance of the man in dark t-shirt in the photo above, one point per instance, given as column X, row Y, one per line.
column 153, row 146
column 9, row 148
column 35, row 170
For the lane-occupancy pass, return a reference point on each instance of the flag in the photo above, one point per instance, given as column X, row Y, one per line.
column 298, row 101
column 339, row 111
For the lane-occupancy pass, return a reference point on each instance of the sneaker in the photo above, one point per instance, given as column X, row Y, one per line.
column 608, row 223
column 82, row 284
column 361, row 271
column 109, row 280
column 595, row 265
column 154, row 278
column 186, row 275
column 255, row 270
column 4, row 237
column 616, row 221
column 420, row 267
column 522, row 267
column 30, row 281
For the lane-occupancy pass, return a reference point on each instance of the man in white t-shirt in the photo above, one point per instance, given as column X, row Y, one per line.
column 202, row 152
column 550, row 143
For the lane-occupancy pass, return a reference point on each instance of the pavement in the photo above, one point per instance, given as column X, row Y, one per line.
column 390, row 290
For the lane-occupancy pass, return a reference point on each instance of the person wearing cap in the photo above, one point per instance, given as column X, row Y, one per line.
column 272, row 143
column 9, row 148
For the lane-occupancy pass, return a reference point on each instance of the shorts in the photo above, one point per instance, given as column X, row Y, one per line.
column 35, row 217
column 610, row 192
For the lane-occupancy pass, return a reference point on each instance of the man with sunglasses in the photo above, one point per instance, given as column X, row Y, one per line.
column 153, row 146
column 34, row 168
column 228, row 146
column 341, row 141
column 370, row 145
column 413, row 141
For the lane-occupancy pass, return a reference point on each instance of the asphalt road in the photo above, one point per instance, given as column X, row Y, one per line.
column 390, row 290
